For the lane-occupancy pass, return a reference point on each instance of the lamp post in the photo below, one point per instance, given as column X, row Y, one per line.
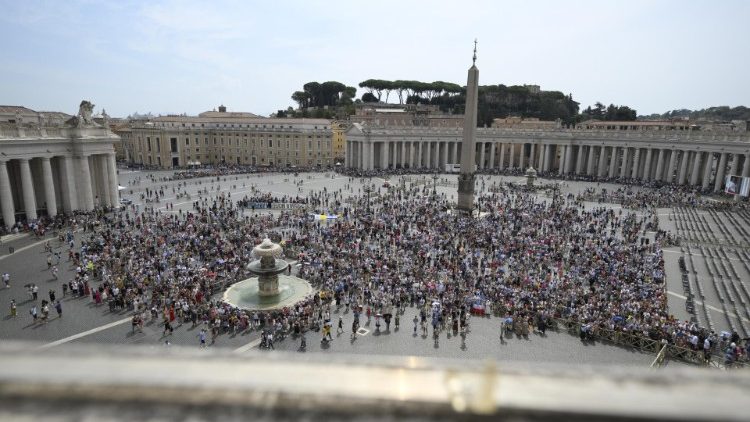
column 434, row 184
column 367, row 190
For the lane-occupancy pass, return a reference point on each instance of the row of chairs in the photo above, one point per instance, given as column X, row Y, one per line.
column 699, row 285
column 725, row 288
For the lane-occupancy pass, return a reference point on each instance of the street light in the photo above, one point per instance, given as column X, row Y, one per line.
column 367, row 190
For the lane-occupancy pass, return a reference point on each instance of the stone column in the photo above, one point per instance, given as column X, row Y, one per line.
column 532, row 156
column 114, row 185
column 49, row 188
column 521, row 156
column 719, row 182
column 102, row 177
column 684, row 157
column 695, row 174
column 561, row 166
column 746, row 166
column 492, row 155
column 481, row 154
column 371, row 156
column 590, row 161
column 647, row 168
column 27, row 184
column 707, row 167
column 636, row 162
column 403, row 154
column 6, row 197
column 602, row 161
column 612, row 162
column 735, row 164
column 669, row 177
column 660, row 165
column 84, row 184
column 545, row 157
column 579, row 160
column 501, row 165
column 540, row 162
column 511, row 151
column 68, row 191
column 624, row 168
column 455, row 154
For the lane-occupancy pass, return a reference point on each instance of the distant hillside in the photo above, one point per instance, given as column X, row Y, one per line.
column 722, row 113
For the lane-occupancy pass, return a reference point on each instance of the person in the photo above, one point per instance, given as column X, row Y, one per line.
column 269, row 339
column 45, row 311
column 340, row 328
column 167, row 327
column 355, row 326
column 58, row 308
column 6, row 280
column 13, row 308
column 136, row 322
column 202, row 337
column 33, row 312
column 303, row 343
column 416, row 321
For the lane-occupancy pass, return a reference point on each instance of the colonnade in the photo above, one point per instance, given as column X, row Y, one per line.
column 56, row 183
column 667, row 162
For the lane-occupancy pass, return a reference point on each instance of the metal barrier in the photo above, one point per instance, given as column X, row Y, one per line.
column 646, row 344
column 659, row 361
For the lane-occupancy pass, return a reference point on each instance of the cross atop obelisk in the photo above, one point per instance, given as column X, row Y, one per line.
column 468, row 144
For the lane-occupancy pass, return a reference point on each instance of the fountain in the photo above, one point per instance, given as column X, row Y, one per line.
column 530, row 177
column 270, row 289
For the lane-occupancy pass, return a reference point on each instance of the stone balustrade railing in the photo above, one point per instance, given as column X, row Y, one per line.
column 14, row 132
column 567, row 134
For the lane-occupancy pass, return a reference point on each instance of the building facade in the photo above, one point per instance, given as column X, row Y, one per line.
column 698, row 158
column 339, row 140
column 220, row 137
column 47, row 168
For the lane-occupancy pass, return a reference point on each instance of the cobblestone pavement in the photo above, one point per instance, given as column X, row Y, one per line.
column 83, row 322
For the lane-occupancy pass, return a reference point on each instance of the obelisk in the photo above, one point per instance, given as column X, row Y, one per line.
column 468, row 143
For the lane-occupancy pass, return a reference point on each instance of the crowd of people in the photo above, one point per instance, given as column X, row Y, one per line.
column 529, row 262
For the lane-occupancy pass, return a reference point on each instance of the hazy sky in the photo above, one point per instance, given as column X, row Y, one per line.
column 185, row 56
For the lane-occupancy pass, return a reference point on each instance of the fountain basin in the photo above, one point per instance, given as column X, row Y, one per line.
column 247, row 294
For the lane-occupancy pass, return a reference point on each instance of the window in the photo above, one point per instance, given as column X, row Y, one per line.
column 270, row 143
column 187, row 141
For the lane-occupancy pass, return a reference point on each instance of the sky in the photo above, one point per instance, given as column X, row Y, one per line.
column 191, row 56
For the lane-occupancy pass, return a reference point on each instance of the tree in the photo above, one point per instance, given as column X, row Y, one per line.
column 313, row 90
column 330, row 93
column 301, row 98
column 400, row 86
column 368, row 97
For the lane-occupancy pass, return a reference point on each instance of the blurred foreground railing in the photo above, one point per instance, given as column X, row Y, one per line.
column 159, row 383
